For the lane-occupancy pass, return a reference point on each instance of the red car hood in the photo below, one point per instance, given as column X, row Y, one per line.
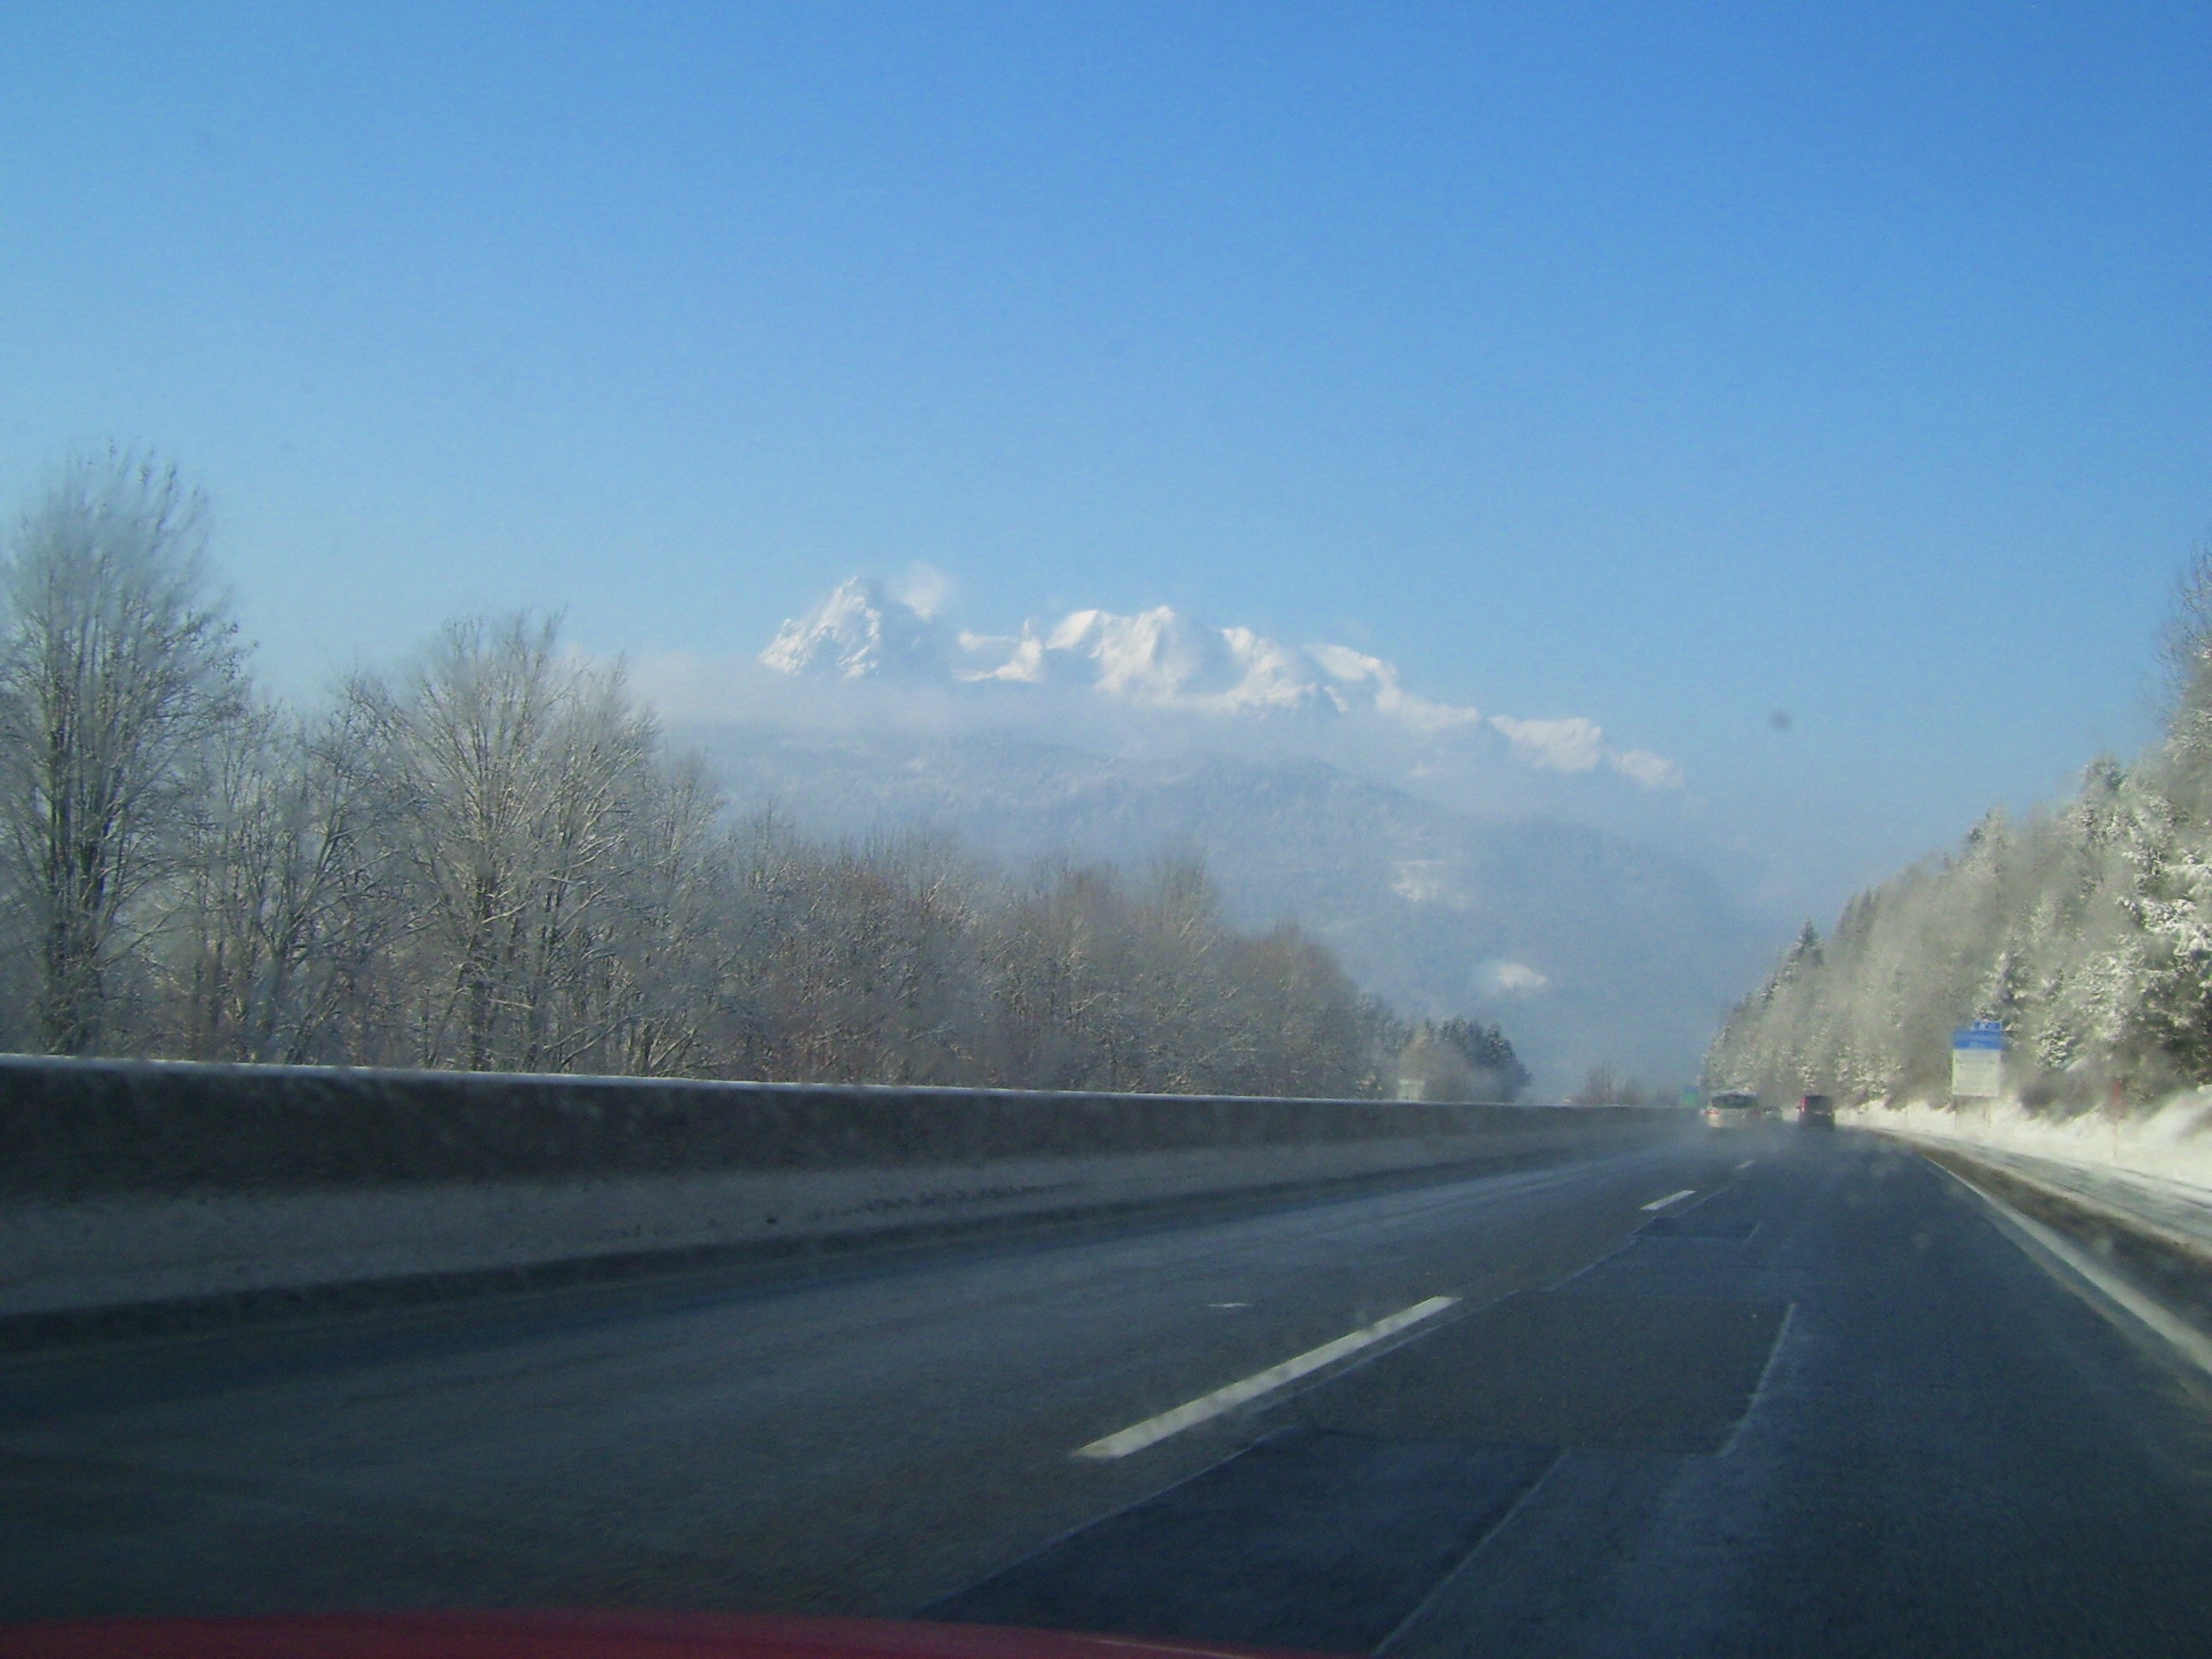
column 570, row 1636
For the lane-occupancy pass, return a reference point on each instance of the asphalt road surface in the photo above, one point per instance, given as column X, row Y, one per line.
column 1761, row 1393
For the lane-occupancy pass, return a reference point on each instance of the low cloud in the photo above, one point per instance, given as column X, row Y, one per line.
column 1652, row 771
column 1567, row 746
column 1501, row 978
column 1576, row 744
column 925, row 590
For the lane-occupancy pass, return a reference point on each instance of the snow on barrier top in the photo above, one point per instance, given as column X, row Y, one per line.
column 76, row 1128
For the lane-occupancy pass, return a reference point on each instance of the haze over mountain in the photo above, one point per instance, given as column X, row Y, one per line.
column 1528, row 871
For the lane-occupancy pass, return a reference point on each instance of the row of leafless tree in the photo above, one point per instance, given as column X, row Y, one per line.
column 488, row 860
column 2086, row 930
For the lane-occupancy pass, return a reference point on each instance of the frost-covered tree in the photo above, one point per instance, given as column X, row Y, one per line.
column 290, row 897
column 2086, row 930
column 489, row 858
column 522, row 778
column 119, row 671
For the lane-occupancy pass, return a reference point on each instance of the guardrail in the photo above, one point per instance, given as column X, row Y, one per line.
column 166, row 1191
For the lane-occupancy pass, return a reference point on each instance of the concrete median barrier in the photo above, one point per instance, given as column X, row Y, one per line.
column 151, row 1191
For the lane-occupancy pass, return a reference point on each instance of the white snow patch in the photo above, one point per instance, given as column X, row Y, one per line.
column 856, row 633
column 1359, row 677
column 2171, row 1142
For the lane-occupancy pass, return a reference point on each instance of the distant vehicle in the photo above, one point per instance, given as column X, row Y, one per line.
column 1733, row 1109
column 1816, row 1112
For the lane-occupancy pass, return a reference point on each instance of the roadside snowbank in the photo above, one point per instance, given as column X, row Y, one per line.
column 2171, row 1144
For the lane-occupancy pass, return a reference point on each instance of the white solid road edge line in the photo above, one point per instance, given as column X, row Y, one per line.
column 1152, row 1430
column 2183, row 1338
column 1671, row 1198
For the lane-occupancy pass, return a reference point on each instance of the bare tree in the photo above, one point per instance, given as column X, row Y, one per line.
column 290, row 897
column 119, row 669
column 519, row 774
column 488, row 861
column 665, row 981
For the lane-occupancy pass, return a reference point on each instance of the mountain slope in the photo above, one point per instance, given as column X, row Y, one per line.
column 1586, row 948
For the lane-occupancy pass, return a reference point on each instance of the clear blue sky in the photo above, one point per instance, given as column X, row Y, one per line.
column 1665, row 365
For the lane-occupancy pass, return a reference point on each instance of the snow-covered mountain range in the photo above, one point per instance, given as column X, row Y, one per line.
column 1160, row 660
column 1530, row 871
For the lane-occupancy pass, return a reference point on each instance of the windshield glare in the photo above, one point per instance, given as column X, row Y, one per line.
column 958, row 832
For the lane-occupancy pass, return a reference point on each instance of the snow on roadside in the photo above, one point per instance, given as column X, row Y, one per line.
column 2170, row 1143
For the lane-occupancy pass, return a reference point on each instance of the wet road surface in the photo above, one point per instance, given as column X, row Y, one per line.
column 1759, row 1392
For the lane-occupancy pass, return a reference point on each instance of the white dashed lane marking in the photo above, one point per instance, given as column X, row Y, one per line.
column 1153, row 1430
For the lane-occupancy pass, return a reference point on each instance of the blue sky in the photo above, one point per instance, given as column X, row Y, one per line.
column 1663, row 364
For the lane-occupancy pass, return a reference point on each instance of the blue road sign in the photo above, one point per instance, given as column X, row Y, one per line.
column 1982, row 1034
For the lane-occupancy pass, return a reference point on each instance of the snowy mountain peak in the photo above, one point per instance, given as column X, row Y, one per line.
column 1160, row 660
column 856, row 633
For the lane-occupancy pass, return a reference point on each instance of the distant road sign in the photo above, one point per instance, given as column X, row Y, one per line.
column 1978, row 1061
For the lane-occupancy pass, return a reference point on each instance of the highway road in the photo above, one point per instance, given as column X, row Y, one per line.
column 1774, row 1392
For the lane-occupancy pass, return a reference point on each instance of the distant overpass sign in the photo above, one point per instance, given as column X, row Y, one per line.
column 1978, row 1061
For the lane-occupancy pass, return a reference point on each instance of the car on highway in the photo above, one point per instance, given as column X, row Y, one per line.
column 1733, row 1109
column 1816, row 1112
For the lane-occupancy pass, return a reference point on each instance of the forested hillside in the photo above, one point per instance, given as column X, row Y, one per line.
column 489, row 860
column 2086, row 930
column 1592, row 948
